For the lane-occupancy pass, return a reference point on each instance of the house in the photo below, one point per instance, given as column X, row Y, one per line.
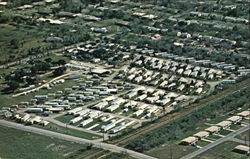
column 201, row 134
column 187, row 72
column 242, row 149
column 112, row 108
column 199, row 84
column 213, row 129
column 105, row 128
column 142, row 97
column 235, row 119
column 244, row 114
column 137, row 113
column 56, row 110
column 74, row 111
column 163, row 101
column 82, row 112
column 131, row 94
column 131, row 77
column 199, row 90
column 25, row 118
column 85, row 122
column 130, row 104
column 34, row 110
column 152, row 99
column 41, row 97
column 138, row 79
column 100, row 71
column 118, row 128
column 34, row 120
column 181, row 87
column 152, row 110
column 44, row 123
column 224, row 124
column 94, row 114
column 99, row 30
column 189, row 140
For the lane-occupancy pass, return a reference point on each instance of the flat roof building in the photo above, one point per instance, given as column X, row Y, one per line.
column 244, row 113
column 201, row 134
column 242, row 149
column 235, row 119
column 224, row 124
column 189, row 140
column 213, row 129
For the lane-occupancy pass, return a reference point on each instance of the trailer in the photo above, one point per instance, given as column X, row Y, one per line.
column 75, row 120
column 137, row 113
column 25, row 118
column 82, row 112
column 105, row 128
column 34, row 110
column 74, row 111
column 112, row 108
column 85, row 122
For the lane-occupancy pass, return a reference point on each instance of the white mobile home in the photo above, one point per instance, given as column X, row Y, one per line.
column 75, row 120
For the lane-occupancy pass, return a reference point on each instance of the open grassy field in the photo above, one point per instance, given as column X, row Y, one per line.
column 73, row 132
column 23, row 145
column 244, row 135
column 223, row 150
column 111, row 155
column 171, row 151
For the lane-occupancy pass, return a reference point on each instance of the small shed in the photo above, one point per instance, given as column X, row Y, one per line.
column 242, row 149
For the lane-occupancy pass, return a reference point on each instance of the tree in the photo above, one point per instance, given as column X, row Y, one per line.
column 61, row 62
column 13, row 85
column 14, row 43
column 48, row 60
column 59, row 71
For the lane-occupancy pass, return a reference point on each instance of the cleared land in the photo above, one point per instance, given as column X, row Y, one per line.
column 223, row 150
column 244, row 136
column 31, row 146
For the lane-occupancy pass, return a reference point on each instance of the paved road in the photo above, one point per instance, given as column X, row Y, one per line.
column 241, row 141
column 217, row 142
column 97, row 144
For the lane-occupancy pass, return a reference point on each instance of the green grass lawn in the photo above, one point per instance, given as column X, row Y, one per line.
column 244, row 135
column 225, row 132
column 223, row 150
column 216, row 137
column 23, row 145
column 202, row 143
column 165, row 151
column 73, row 132
column 65, row 118
column 235, row 126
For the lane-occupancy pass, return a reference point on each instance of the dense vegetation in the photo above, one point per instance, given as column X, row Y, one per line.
column 170, row 131
column 28, row 75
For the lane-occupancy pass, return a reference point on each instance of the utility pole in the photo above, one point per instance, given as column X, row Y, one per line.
column 171, row 153
column 67, row 128
column 245, row 140
column 103, row 136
